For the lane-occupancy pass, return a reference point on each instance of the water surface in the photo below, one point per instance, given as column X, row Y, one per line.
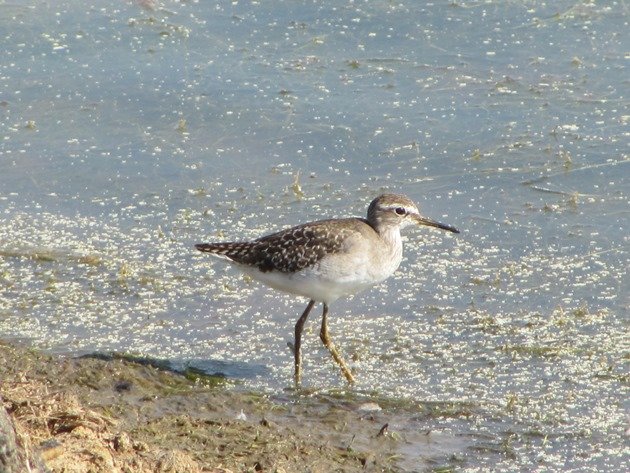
column 132, row 130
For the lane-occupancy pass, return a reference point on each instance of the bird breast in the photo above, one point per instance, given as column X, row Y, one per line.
column 364, row 261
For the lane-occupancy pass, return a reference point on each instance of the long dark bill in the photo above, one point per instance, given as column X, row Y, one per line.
column 432, row 223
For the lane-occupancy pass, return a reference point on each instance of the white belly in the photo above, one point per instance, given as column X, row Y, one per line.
column 324, row 282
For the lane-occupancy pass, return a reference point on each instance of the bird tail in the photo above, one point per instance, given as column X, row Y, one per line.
column 230, row 250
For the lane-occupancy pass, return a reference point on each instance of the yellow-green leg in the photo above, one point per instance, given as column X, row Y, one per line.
column 297, row 348
column 326, row 340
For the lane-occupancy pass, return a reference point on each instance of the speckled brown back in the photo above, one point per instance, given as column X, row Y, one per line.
column 289, row 250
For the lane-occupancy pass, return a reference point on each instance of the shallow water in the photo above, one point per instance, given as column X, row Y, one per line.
column 131, row 131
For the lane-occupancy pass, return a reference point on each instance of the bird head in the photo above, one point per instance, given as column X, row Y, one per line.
column 400, row 211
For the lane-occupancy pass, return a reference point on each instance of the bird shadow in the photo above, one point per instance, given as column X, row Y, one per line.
column 208, row 371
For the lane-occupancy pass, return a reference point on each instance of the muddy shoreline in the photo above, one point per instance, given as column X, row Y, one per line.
column 120, row 414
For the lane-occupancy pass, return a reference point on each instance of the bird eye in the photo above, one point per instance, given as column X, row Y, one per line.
column 400, row 211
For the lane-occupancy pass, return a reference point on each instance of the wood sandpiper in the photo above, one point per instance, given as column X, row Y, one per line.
column 328, row 259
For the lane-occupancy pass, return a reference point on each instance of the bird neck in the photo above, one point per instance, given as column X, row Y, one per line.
column 390, row 234
column 387, row 257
